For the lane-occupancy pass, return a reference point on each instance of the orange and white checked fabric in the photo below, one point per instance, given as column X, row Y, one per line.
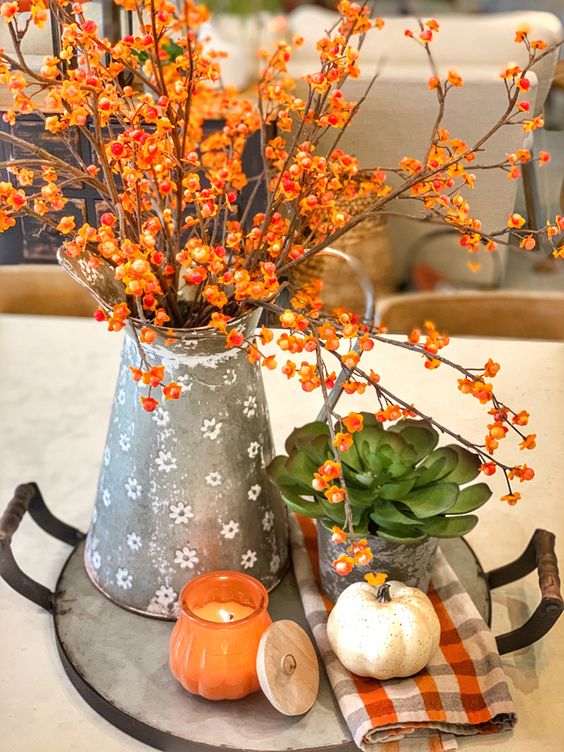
column 463, row 691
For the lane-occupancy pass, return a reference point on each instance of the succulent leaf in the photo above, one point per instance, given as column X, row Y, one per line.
column 470, row 498
column 364, row 479
column 468, row 466
column 419, row 434
column 361, row 497
column 401, row 534
column 335, row 512
column 397, row 469
column 392, row 445
column 450, row 461
column 301, row 506
column 374, row 464
column 432, row 500
column 409, row 455
column 385, row 513
column 301, row 467
column 450, row 527
column 301, row 437
column 396, row 490
column 399, row 484
column 424, row 475
column 351, row 459
column 278, row 473
column 320, row 449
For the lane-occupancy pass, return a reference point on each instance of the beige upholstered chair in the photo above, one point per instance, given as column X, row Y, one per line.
column 515, row 314
column 397, row 117
column 42, row 289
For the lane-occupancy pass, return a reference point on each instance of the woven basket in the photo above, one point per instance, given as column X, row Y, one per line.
column 369, row 243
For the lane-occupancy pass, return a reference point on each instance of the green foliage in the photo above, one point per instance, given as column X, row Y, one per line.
column 401, row 487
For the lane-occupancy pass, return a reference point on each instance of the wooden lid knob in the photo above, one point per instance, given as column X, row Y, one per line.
column 287, row 668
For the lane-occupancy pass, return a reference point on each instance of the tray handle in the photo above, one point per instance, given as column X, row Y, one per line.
column 27, row 497
column 540, row 554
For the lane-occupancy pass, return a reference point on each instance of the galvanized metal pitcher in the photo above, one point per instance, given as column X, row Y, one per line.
column 183, row 489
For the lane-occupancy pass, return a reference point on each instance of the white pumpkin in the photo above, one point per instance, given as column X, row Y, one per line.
column 383, row 632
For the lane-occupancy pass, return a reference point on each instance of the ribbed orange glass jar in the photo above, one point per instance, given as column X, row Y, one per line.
column 217, row 660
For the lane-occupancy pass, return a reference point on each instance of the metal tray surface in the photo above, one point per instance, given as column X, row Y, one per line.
column 118, row 661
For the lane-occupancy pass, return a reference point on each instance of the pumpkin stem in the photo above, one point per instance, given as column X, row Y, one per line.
column 383, row 593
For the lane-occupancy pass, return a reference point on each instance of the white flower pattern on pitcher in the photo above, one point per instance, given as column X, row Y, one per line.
column 160, row 546
column 165, row 462
column 185, row 382
column 274, row 563
column 249, row 559
column 254, row 492
column 181, row 513
column 230, row 529
column 214, row 479
column 186, row 557
column 125, row 442
column 165, row 595
column 250, row 406
column 134, row 541
column 210, row 429
column 253, row 449
column 268, row 520
column 124, row 579
column 161, row 417
column 133, row 489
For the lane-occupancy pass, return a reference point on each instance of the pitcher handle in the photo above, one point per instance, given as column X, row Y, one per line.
column 367, row 318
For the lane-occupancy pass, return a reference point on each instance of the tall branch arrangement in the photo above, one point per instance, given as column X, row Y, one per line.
column 184, row 250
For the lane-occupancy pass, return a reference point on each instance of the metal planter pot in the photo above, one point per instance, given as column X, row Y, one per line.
column 183, row 490
column 409, row 563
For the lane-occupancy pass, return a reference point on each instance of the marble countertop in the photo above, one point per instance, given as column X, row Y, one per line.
column 57, row 381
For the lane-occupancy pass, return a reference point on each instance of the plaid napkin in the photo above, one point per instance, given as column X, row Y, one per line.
column 463, row 691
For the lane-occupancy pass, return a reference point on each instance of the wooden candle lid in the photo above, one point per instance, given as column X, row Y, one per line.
column 287, row 668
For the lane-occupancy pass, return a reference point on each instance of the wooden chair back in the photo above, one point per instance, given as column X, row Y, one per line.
column 514, row 314
column 42, row 289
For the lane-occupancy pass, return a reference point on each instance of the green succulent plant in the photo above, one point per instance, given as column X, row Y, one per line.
column 400, row 485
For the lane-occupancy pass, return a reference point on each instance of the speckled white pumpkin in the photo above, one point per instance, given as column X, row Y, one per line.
column 383, row 632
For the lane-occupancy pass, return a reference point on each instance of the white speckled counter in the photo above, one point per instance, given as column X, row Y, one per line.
column 57, row 381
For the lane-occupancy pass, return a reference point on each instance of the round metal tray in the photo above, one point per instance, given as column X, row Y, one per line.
column 118, row 661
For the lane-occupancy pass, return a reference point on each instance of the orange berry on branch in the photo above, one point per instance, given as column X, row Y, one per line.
column 343, row 564
column 234, row 338
column 488, row 468
column 353, row 422
column 335, row 495
column 149, row 404
column 338, row 535
column 511, row 498
column 172, row 391
column 529, row 442
column 343, row 441
column 521, row 419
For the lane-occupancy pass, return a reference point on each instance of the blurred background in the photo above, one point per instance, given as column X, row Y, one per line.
column 410, row 264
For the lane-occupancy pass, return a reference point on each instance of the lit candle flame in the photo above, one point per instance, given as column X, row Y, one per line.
column 226, row 615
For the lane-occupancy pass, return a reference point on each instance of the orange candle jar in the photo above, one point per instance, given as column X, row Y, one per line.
column 214, row 644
